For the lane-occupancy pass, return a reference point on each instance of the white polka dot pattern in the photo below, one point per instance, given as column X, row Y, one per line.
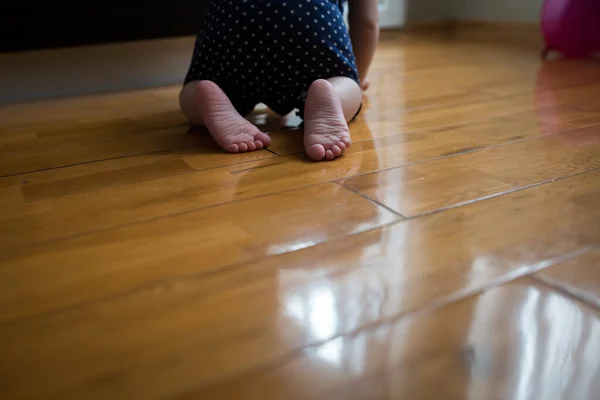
column 270, row 51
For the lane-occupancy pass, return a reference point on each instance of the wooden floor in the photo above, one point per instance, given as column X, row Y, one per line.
column 452, row 253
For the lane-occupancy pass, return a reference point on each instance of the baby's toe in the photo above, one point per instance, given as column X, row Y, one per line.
column 233, row 148
column 251, row 146
column 316, row 152
column 259, row 145
column 341, row 145
column 336, row 151
column 243, row 147
column 329, row 155
column 346, row 140
column 264, row 138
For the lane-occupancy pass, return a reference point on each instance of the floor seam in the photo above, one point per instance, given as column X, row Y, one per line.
column 149, row 153
column 141, row 221
column 446, row 156
column 299, row 152
column 417, row 311
column 159, row 217
column 567, row 290
column 187, row 277
column 272, row 151
column 495, row 195
column 195, row 170
column 374, row 201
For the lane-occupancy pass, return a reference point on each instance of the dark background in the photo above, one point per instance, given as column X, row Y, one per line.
column 30, row 26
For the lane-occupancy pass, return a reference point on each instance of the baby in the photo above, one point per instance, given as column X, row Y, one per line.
column 287, row 54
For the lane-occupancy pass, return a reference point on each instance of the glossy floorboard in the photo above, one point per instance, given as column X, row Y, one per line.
column 453, row 252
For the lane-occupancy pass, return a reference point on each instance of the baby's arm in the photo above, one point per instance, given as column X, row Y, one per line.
column 363, row 18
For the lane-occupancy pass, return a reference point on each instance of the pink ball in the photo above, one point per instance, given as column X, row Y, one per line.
column 572, row 27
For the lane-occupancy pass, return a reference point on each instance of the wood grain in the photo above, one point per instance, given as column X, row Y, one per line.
column 58, row 149
column 153, row 281
column 381, row 124
column 452, row 252
column 115, row 202
column 449, row 182
column 203, row 242
column 489, row 346
column 579, row 277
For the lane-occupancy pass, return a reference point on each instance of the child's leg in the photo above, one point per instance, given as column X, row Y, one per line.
column 204, row 103
column 350, row 95
column 330, row 104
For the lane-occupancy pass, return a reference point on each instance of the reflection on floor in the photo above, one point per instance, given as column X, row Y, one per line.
column 452, row 253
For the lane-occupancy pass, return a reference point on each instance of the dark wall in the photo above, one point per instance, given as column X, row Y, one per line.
column 30, row 26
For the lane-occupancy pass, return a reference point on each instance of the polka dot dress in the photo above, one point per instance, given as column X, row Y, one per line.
column 270, row 51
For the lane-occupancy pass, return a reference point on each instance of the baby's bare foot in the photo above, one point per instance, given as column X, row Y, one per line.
column 228, row 128
column 326, row 134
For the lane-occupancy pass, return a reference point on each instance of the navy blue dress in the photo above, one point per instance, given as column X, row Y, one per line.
column 270, row 51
